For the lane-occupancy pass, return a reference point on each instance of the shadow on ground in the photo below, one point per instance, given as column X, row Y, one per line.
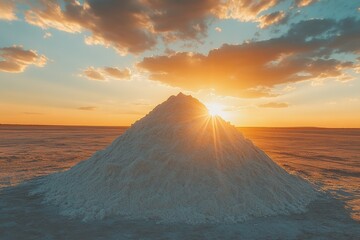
column 25, row 217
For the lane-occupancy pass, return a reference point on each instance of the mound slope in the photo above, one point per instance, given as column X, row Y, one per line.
column 177, row 164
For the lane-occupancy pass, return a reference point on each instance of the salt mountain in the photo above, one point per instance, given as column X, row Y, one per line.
column 178, row 164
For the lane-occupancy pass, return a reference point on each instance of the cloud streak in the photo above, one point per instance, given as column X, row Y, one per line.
column 274, row 105
column 87, row 108
column 15, row 59
column 102, row 74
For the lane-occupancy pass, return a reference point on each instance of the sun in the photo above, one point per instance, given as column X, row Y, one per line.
column 215, row 109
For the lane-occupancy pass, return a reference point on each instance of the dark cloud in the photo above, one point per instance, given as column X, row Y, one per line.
column 348, row 36
column 251, row 69
column 128, row 25
column 274, row 105
column 121, row 24
column 15, row 59
column 136, row 25
column 182, row 19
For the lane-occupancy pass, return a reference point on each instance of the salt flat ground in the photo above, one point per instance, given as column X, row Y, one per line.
column 330, row 158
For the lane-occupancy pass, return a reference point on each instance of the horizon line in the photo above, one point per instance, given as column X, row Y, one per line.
column 128, row 126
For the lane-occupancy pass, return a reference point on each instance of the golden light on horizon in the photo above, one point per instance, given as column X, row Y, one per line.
column 253, row 81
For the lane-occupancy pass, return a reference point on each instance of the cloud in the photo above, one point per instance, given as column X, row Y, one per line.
column 245, row 10
column 218, row 29
column 137, row 25
column 87, row 108
column 7, row 12
column 181, row 19
column 15, row 59
column 117, row 73
column 101, row 74
column 274, row 105
column 129, row 25
column 121, row 24
column 357, row 68
column 272, row 18
column 304, row 3
column 195, row 71
column 47, row 35
column 93, row 74
column 252, row 69
column 49, row 14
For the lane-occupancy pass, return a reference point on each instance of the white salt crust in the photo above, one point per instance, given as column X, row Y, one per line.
column 177, row 164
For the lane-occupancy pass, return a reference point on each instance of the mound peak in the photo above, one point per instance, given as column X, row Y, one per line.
column 178, row 108
column 178, row 164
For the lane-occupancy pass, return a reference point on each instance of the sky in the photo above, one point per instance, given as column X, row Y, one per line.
column 273, row 63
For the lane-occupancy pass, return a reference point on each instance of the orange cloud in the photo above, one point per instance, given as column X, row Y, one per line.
column 117, row 73
column 196, row 71
column 272, row 18
column 245, row 10
column 304, row 3
column 93, row 74
column 49, row 14
column 252, row 69
column 8, row 8
column 15, row 59
column 238, row 70
column 104, row 73
column 274, row 105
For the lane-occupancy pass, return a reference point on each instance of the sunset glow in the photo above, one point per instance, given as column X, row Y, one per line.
column 286, row 63
column 169, row 119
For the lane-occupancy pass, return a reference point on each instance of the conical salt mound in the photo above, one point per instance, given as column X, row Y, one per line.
column 177, row 164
